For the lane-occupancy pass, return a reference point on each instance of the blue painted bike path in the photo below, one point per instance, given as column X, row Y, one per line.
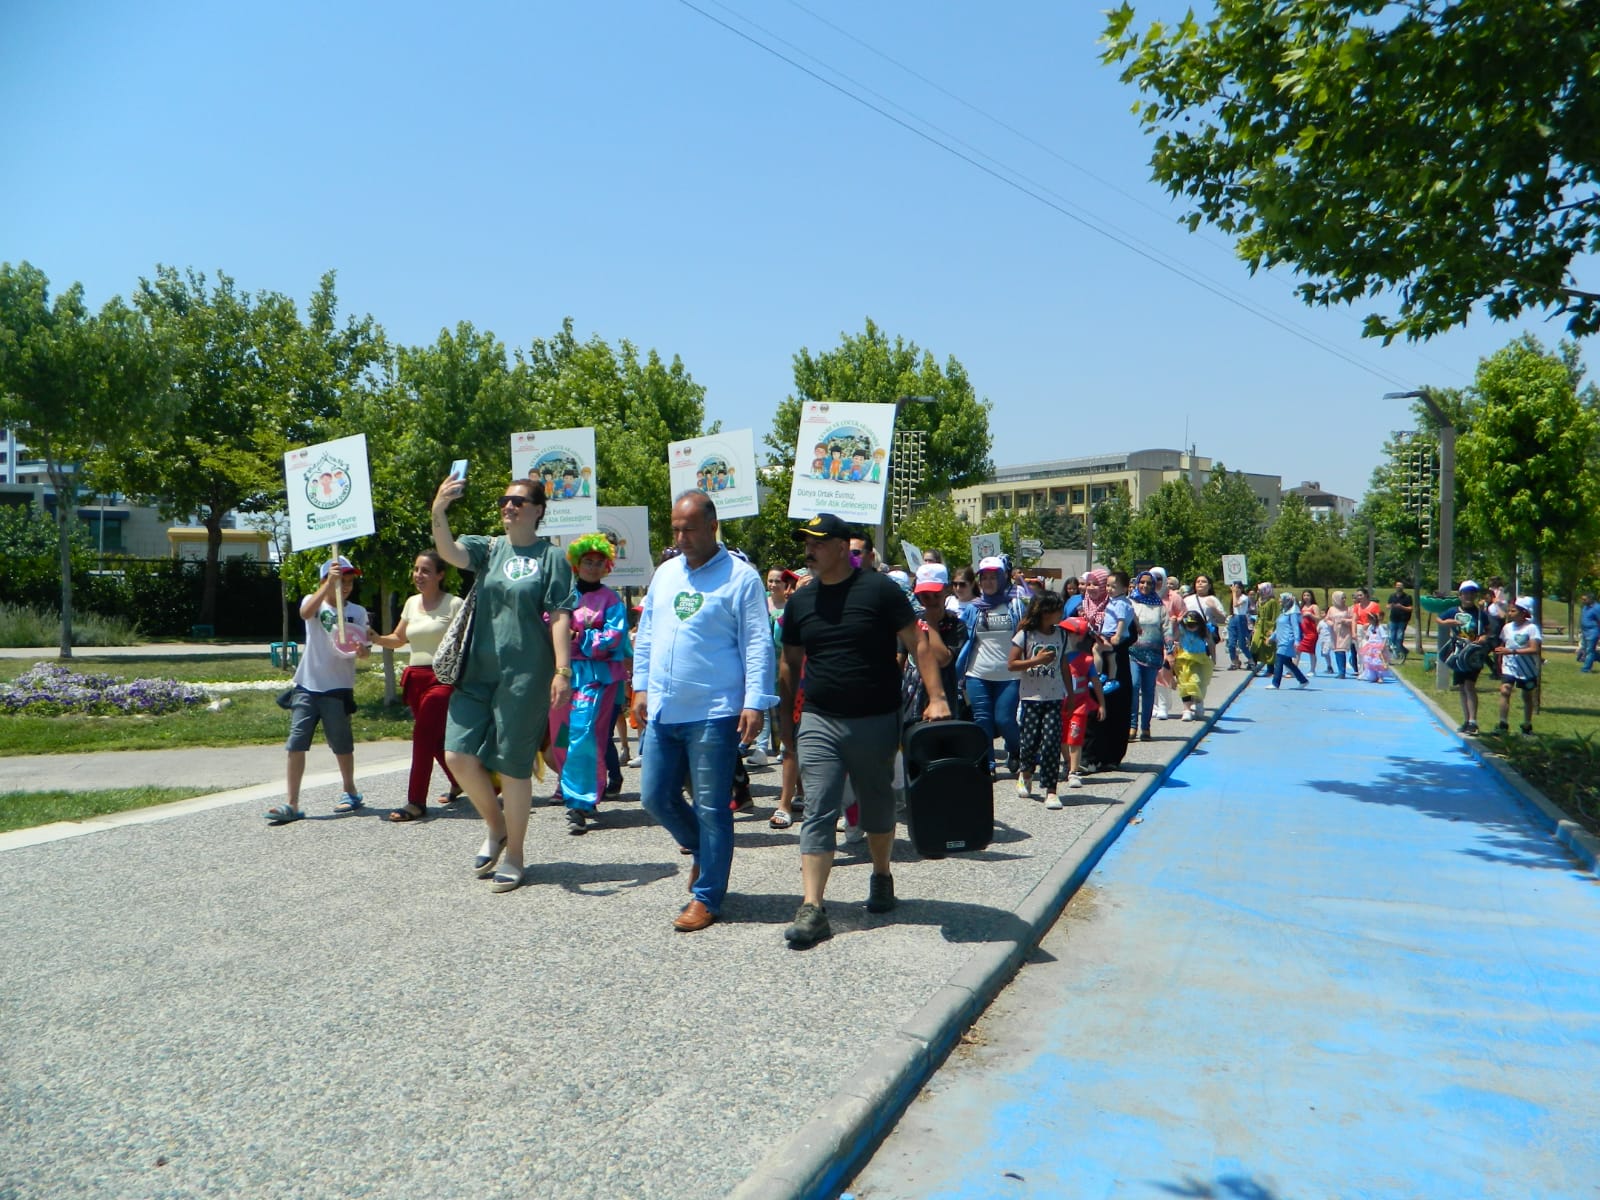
column 1334, row 957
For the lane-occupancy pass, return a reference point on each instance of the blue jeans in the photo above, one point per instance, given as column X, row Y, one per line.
column 994, row 706
column 1238, row 638
column 1285, row 662
column 705, row 752
column 1586, row 650
column 1144, row 692
column 1397, row 633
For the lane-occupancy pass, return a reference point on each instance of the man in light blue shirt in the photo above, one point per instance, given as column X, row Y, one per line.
column 704, row 673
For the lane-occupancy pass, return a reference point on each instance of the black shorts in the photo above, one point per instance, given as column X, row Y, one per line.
column 1525, row 685
column 1460, row 677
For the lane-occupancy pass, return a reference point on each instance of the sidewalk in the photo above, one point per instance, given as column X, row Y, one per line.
column 214, row 767
column 143, row 650
column 335, row 1007
column 1336, row 957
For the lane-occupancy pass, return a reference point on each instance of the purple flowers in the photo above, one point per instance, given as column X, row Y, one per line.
column 49, row 690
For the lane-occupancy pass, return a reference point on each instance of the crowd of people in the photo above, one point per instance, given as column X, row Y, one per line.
column 821, row 667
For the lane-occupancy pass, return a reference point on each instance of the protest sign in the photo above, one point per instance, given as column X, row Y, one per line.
column 723, row 465
column 563, row 459
column 841, row 463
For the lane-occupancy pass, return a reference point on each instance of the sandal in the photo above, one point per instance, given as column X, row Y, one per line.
column 446, row 800
column 282, row 814
column 408, row 812
column 780, row 820
column 350, row 802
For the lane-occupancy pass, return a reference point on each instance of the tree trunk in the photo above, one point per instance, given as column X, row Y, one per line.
column 208, row 586
column 1538, row 588
column 65, row 512
column 391, row 695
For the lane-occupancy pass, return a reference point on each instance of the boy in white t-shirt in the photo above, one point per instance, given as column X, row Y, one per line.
column 1519, row 652
column 324, row 690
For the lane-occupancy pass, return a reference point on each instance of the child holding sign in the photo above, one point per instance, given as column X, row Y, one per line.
column 324, row 689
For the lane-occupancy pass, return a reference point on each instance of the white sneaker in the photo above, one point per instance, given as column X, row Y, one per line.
column 1024, row 786
column 1160, row 712
column 1075, row 780
column 1187, row 715
column 756, row 758
column 854, row 834
column 1053, row 801
column 1302, row 686
column 636, row 761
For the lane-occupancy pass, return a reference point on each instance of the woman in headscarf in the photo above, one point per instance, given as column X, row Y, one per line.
column 1263, row 642
column 1148, row 654
column 1342, row 621
column 991, row 685
column 1106, row 742
column 1167, row 701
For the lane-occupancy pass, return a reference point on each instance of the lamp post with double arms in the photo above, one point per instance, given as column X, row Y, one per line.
column 1447, row 484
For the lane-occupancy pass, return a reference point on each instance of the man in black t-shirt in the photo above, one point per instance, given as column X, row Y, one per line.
column 1400, row 608
column 845, row 629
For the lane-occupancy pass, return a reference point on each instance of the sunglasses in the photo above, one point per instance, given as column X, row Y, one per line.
column 961, row 583
column 517, row 502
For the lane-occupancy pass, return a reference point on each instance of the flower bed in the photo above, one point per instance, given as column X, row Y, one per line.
column 50, row 690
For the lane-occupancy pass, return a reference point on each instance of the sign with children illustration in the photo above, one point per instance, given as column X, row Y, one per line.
column 841, row 462
column 723, row 465
column 330, row 493
column 563, row 460
column 627, row 528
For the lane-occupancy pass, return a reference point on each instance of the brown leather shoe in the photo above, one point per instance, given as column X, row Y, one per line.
column 694, row 917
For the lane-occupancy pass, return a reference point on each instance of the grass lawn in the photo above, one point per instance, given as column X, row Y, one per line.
column 251, row 718
column 1562, row 759
column 23, row 810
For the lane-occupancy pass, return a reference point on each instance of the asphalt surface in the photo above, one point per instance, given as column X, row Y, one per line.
column 197, row 1004
column 1336, row 956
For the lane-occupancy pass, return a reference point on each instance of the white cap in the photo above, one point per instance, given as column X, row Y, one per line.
column 932, row 577
column 991, row 564
column 1469, row 585
column 1525, row 603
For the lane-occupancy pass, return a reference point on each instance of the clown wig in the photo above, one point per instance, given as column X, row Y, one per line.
column 591, row 543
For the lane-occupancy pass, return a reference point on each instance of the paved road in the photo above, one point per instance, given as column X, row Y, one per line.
column 1336, row 957
column 198, row 1005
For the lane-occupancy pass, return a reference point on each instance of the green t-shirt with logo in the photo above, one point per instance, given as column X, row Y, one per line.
column 519, row 588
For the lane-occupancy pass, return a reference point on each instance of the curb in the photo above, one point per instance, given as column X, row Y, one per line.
column 38, row 835
column 1582, row 844
column 836, row 1142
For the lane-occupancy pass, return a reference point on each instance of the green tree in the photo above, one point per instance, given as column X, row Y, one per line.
column 1445, row 152
column 1060, row 530
column 1287, row 538
column 1113, row 524
column 869, row 368
column 1528, row 462
column 937, row 526
column 253, row 381
column 1170, row 530
column 78, row 389
column 1235, row 519
column 1327, row 562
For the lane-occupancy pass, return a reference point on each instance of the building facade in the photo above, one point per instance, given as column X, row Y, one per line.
column 1073, row 485
column 1322, row 504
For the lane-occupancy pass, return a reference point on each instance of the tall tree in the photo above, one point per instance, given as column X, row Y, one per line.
column 870, row 368
column 1234, row 516
column 1170, row 530
column 1287, row 538
column 1113, row 523
column 1445, row 152
column 1528, row 462
column 76, row 388
column 253, row 381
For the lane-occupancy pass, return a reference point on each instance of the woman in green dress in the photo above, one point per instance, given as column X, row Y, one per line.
column 516, row 666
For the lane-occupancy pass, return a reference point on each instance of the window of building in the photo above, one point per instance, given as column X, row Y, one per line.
column 1058, row 498
column 1077, row 495
column 990, row 503
column 1024, row 499
column 1097, row 493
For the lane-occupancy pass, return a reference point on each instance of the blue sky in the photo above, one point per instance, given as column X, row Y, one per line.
column 658, row 178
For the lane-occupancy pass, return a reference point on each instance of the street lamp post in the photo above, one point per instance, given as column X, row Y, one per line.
column 881, row 537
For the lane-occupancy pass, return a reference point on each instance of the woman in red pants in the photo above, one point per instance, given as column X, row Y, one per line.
column 422, row 624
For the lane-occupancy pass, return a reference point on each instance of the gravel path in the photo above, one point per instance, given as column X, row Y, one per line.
column 204, row 1006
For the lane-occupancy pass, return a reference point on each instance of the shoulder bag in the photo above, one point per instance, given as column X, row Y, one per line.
column 450, row 659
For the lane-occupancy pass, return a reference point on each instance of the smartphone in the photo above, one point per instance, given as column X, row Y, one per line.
column 458, row 470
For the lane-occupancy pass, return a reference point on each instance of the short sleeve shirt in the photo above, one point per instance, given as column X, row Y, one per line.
column 424, row 629
column 1042, row 682
column 1520, row 637
column 521, row 586
column 849, row 631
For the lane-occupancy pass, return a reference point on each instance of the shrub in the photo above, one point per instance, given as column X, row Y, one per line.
column 22, row 625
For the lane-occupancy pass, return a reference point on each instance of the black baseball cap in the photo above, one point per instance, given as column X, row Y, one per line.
column 825, row 525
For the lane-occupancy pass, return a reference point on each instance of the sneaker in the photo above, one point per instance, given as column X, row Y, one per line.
column 636, row 761
column 578, row 822
column 1502, row 729
column 350, row 802
column 756, row 758
column 1303, row 684
column 1053, row 801
column 855, row 834
column 1470, row 729
column 742, row 800
column 1187, row 715
column 1024, row 785
column 880, row 893
column 1527, row 730
column 1075, row 780
column 809, row 927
